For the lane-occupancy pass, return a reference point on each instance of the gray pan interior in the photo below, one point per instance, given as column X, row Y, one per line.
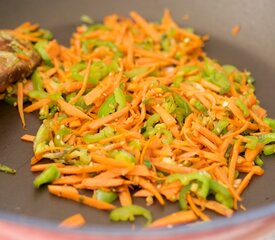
column 252, row 49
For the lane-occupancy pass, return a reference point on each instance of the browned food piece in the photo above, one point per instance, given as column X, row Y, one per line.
column 17, row 59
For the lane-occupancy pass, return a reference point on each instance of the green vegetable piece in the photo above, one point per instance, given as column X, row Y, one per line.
column 11, row 100
column 42, row 138
column 165, row 43
column 181, row 103
column 220, row 126
column 6, row 169
column 270, row 122
column 135, row 72
column 252, row 143
column 104, row 133
column 267, row 138
column 120, row 98
column 47, row 176
column 58, row 138
column 182, row 196
column 258, row 161
column 229, row 68
column 269, row 149
column 38, row 91
column 216, row 77
column 147, row 163
column 243, row 107
column 86, row 19
column 169, row 104
column 135, row 144
column 101, row 43
column 201, row 177
column 128, row 213
column 198, row 105
column 108, row 107
column 95, row 27
column 152, row 120
column 105, row 196
column 40, row 47
column 221, row 193
column 122, row 155
column 46, row 34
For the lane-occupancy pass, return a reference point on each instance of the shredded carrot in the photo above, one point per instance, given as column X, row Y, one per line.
column 74, row 221
column 27, row 138
column 130, row 103
column 20, row 96
column 174, row 218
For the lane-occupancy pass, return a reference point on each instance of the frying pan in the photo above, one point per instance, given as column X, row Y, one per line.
column 28, row 213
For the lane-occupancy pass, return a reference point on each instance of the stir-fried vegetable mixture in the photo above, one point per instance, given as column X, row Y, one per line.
column 137, row 109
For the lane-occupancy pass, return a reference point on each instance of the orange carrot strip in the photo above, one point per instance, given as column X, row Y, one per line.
column 72, row 194
column 143, row 193
column 145, row 26
column 180, row 217
column 95, row 183
column 251, row 154
column 27, row 138
column 125, row 196
column 37, row 105
column 43, row 166
column 81, row 170
column 150, row 187
column 84, row 84
column 196, row 210
column 68, row 180
column 233, row 161
column 74, row 221
column 215, row 206
column 208, row 134
column 20, row 96
column 95, row 124
column 170, row 168
column 72, row 110
column 244, row 183
column 110, row 161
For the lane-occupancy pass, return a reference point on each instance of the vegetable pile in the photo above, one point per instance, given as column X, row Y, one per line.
column 137, row 109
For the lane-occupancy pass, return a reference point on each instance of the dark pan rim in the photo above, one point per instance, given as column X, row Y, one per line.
column 260, row 213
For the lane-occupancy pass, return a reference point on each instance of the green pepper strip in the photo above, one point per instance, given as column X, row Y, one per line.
column 182, row 196
column 243, row 107
column 104, row 133
column 41, row 139
column 123, row 156
column 252, row 143
column 186, row 179
column 7, row 169
column 220, row 126
column 95, row 27
column 152, row 120
column 120, row 98
column 47, row 176
column 108, row 107
column 216, row 77
column 183, row 105
column 58, row 138
column 222, row 194
column 270, row 122
column 128, row 213
column 258, row 161
column 102, row 43
column 38, row 89
column 269, row 149
column 105, row 196
column 267, row 138
column 40, row 47
column 135, row 72
column 198, row 105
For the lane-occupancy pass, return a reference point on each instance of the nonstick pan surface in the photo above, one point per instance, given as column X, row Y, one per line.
column 252, row 49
